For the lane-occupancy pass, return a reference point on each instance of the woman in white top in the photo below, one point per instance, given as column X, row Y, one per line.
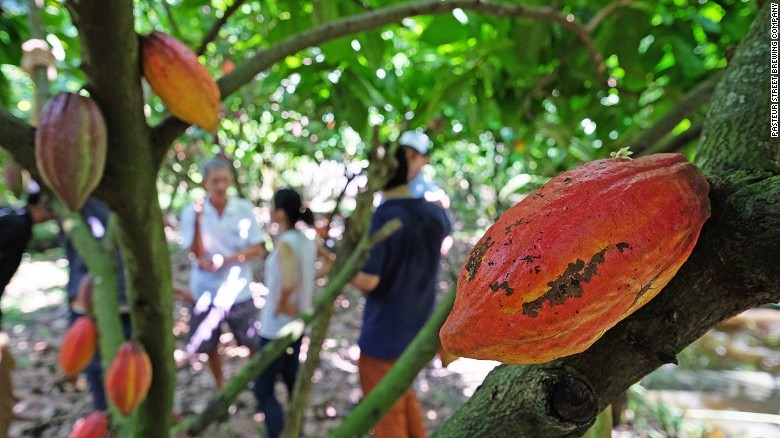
column 289, row 276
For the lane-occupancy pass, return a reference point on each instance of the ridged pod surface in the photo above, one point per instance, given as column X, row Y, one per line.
column 78, row 346
column 182, row 82
column 70, row 147
column 94, row 425
column 129, row 377
column 575, row 257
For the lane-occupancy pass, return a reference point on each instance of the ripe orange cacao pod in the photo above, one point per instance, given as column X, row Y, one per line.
column 182, row 82
column 94, row 425
column 70, row 147
column 446, row 357
column 129, row 377
column 78, row 346
column 575, row 257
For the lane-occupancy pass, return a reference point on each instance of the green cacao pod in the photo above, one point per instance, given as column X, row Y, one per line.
column 575, row 257
column 70, row 147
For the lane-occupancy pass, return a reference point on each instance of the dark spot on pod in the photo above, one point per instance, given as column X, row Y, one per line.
column 495, row 287
column 568, row 284
column 476, row 256
column 529, row 258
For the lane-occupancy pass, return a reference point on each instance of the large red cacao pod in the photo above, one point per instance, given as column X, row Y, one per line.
column 70, row 147
column 94, row 425
column 182, row 82
column 129, row 377
column 78, row 346
column 576, row 256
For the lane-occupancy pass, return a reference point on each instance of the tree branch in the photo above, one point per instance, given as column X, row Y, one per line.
column 728, row 272
column 721, row 278
column 18, row 138
column 685, row 108
column 172, row 127
column 603, row 13
column 677, row 142
column 211, row 35
column 744, row 86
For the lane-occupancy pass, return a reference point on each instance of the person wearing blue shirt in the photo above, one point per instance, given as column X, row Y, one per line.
column 399, row 281
column 222, row 235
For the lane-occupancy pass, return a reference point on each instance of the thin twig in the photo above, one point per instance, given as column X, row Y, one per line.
column 686, row 107
column 172, row 20
column 604, row 13
column 214, row 31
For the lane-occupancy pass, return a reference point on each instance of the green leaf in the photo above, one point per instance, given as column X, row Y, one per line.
column 442, row 29
column 692, row 66
column 373, row 48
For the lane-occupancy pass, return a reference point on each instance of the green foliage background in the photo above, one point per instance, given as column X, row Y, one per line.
column 507, row 102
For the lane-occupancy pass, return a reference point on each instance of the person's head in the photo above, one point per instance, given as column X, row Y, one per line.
column 402, row 173
column 37, row 209
column 416, row 145
column 288, row 209
column 217, row 177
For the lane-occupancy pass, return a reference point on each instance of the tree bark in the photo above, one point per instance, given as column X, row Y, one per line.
column 110, row 60
column 733, row 268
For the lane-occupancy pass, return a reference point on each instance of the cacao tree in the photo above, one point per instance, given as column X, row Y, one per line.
column 511, row 92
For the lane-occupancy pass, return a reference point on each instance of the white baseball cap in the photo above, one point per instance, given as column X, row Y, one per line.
column 416, row 140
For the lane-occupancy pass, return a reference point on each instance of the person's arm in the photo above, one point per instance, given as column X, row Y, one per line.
column 365, row 282
column 255, row 251
column 328, row 258
column 187, row 228
column 288, row 264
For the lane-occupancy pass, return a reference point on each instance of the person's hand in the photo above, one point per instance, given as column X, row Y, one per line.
column 285, row 307
column 212, row 264
column 36, row 53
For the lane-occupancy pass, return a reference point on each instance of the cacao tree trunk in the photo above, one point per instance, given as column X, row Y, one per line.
column 731, row 270
column 110, row 60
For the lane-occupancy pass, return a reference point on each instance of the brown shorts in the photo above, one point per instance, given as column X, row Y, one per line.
column 206, row 326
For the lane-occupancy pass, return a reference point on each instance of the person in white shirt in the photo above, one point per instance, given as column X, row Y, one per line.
column 289, row 276
column 223, row 236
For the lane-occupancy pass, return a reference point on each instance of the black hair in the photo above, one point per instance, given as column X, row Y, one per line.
column 290, row 202
column 401, row 174
column 217, row 162
column 33, row 193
